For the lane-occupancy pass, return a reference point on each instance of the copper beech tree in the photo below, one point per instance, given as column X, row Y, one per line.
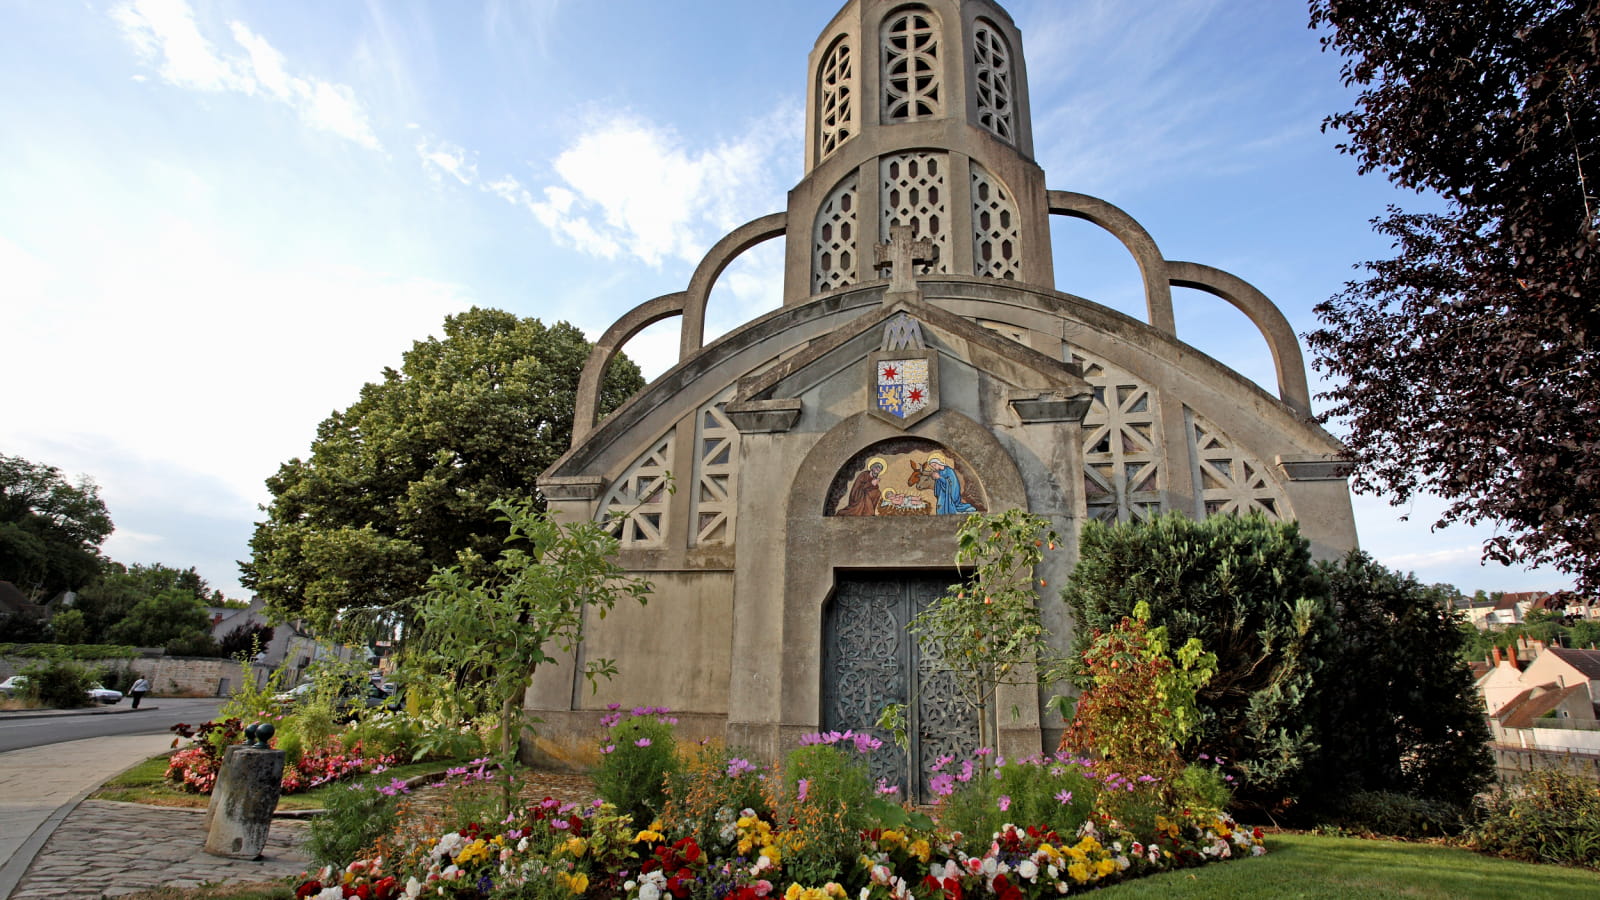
column 1468, row 365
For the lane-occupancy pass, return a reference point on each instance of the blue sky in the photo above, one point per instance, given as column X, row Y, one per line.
column 218, row 219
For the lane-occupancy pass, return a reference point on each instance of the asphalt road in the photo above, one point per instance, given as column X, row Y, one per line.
column 154, row 716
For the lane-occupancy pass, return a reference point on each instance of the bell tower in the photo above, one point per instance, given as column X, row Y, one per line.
column 917, row 115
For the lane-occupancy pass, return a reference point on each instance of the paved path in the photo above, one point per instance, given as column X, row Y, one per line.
column 53, row 844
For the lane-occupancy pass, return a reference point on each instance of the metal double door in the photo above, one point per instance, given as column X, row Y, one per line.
column 871, row 659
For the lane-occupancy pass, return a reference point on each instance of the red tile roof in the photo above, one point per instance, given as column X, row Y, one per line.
column 1533, row 707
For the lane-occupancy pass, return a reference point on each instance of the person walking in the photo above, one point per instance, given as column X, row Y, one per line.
column 139, row 689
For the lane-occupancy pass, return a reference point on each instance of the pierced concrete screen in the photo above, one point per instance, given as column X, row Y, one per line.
column 914, row 193
column 835, row 99
column 1229, row 481
column 716, row 442
column 641, row 494
column 911, row 88
column 991, row 73
column 833, row 239
column 1122, row 473
column 996, row 240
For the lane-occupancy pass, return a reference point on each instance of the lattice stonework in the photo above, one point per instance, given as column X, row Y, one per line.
column 641, row 493
column 1122, row 478
column 835, row 99
column 716, row 443
column 996, row 240
column 833, row 239
column 991, row 71
column 911, row 82
column 914, row 194
column 1228, row 480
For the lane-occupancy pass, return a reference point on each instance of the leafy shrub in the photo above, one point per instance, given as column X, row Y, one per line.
column 353, row 819
column 706, row 796
column 1553, row 816
column 1056, row 793
column 1399, row 815
column 60, row 683
column 636, row 758
column 1202, row 789
column 831, row 795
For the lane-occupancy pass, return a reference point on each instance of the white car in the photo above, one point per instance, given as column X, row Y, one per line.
column 103, row 694
column 14, row 685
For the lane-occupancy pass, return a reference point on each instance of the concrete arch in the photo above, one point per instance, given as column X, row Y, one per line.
column 716, row 259
column 1152, row 265
column 1286, row 357
column 586, row 406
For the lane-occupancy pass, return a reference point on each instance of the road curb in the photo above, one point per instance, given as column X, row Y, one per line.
column 8, row 714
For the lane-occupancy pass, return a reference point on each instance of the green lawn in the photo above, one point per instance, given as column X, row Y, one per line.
column 1303, row 865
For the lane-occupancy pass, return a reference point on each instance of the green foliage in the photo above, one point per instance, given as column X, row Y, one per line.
column 403, row 482
column 1139, row 706
column 172, row 616
column 830, row 795
column 356, row 816
column 637, row 759
column 69, row 627
column 486, row 634
column 1244, row 587
column 245, row 639
column 113, row 596
column 50, row 528
column 1057, row 794
column 1553, row 816
column 1398, row 815
column 70, row 651
column 987, row 631
column 1394, row 697
column 59, row 683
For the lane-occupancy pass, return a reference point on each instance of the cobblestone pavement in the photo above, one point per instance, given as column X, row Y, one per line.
column 109, row 849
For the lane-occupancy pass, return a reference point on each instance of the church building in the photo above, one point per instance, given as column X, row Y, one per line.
column 795, row 486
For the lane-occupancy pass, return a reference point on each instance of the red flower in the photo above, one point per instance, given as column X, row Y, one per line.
column 1005, row 890
column 308, row 889
column 950, row 886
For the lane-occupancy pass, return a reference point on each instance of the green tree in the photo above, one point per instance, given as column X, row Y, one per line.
column 69, row 627
column 170, row 616
column 402, row 481
column 50, row 528
column 1468, row 366
column 112, row 597
column 500, row 627
column 987, row 631
column 1395, row 697
column 1246, row 588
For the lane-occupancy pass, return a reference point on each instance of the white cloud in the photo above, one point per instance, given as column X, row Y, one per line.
column 451, row 159
column 166, row 35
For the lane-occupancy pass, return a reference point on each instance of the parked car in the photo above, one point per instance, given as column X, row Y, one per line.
column 14, row 685
column 102, row 694
column 293, row 694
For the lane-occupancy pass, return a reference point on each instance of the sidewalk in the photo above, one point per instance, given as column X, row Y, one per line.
column 55, row 844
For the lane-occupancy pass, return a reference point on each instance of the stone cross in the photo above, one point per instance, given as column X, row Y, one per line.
column 901, row 254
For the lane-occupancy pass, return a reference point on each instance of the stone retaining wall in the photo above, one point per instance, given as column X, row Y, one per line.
column 1512, row 763
column 170, row 676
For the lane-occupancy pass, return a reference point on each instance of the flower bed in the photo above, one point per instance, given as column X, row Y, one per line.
column 194, row 769
column 814, row 828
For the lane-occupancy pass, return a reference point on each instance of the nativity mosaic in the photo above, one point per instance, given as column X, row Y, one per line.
column 906, row 476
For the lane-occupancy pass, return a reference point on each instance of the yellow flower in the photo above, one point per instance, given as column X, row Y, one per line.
column 575, row 883
column 1078, row 872
column 575, row 847
column 1105, row 867
column 891, row 839
column 795, row 891
column 647, row 835
column 921, row 850
column 476, row 851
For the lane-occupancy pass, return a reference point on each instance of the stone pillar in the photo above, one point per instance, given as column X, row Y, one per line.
column 242, row 802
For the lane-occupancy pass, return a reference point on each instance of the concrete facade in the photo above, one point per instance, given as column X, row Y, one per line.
column 1045, row 401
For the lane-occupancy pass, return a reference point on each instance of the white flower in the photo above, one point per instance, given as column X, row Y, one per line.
column 1028, row 869
column 1123, row 863
column 648, row 891
column 413, row 888
column 333, row 893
